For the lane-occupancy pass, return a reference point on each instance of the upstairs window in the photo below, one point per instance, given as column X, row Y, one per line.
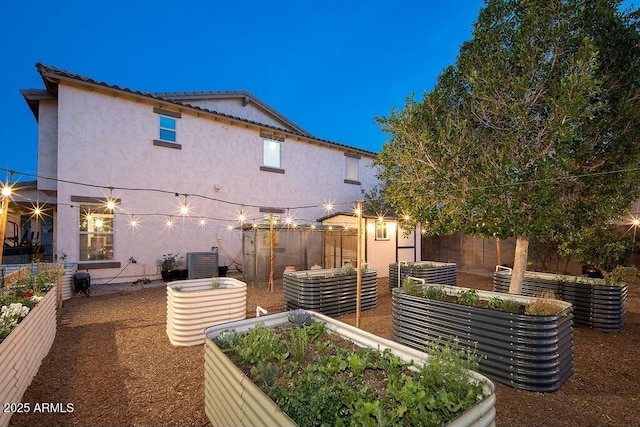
column 271, row 153
column 168, row 126
column 352, row 163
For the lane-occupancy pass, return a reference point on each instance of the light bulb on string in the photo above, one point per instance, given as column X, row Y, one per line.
column 242, row 216
column 328, row 206
column 169, row 223
column 202, row 222
column 184, row 208
column 111, row 203
column 133, row 222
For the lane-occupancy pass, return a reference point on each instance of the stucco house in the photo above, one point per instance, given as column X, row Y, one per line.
column 183, row 172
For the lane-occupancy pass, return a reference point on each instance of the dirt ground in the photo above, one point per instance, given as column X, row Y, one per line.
column 112, row 361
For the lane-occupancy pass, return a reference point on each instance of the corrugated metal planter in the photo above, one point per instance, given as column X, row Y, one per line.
column 528, row 352
column 232, row 399
column 595, row 304
column 192, row 306
column 443, row 273
column 21, row 353
column 67, row 280
column 329, row 291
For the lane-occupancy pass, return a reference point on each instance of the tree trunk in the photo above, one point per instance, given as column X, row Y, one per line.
column 519, row 264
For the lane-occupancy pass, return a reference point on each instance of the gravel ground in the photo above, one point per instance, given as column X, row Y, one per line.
column 113, row 362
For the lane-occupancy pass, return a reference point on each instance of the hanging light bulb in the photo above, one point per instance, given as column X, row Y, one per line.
column 169, row 223
column 242, row 217
column 133, row 222
column 202, row 222
column 111, row 203
column 328, row 206
column 184, row 208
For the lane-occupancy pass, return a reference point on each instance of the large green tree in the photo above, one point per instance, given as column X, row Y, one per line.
column 532, row 133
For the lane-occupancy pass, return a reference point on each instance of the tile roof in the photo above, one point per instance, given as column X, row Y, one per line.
column 50, row 74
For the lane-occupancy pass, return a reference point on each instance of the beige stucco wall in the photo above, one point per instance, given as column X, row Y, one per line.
column 107, row 141
column 47, row 143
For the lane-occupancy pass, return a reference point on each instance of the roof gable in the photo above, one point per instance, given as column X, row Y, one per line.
column 235, row 103
column 52, row 76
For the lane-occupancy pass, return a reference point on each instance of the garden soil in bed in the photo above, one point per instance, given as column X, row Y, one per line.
column 113, row 362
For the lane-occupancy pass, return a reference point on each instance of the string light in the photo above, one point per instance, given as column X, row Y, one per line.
column 202, row 222
column 169, row 223
column 328, row 206
column 133, row 222
column 184, row 207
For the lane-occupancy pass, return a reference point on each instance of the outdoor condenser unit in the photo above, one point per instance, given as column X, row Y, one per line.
column 201, row 265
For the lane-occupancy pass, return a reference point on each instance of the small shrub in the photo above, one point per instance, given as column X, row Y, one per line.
column 411, row 287
column 545, row 304
column 468, row 297
column 349, row 270
column 215, row 283
column 504, row 304
column 620, row 275
column 435, row 292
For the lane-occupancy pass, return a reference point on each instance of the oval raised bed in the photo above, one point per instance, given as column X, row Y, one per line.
column 22, row 351
column 329, row 291
column 529, row 352
column 444, row 273
column 231, row 398
column 194, row 305
column 596, row 304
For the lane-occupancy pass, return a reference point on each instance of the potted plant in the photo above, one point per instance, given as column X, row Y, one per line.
column 330, row 291
column 324, row 372
column 523, row 342
column 170, row 268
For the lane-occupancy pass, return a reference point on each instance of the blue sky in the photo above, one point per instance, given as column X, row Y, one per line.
column 330, row 66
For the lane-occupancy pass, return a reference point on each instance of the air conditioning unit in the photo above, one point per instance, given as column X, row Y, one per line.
column 202, row 265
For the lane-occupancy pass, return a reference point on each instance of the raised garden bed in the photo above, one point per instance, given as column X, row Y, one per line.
column 194, row 305
column 23, row 350
column 596, row 304
column 529, row 352
column 443, row 273
column 329, row 291
column 232, row 398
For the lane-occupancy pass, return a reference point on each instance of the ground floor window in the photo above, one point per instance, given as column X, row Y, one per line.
column 96, row 233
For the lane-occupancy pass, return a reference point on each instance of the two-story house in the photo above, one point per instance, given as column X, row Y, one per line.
column 180, row 172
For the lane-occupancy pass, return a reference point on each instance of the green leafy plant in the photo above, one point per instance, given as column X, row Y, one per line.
column 340, row 384
column 215, row 283
column 412, row 287
column 504, row 304
column 349, row 270
column 299, row 343
column 170, row 261
column 620, row 275
column 435, row 292
column 265, row 372
column 468, row 297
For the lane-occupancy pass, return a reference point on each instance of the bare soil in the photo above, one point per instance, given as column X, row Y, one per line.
column 113, row 362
